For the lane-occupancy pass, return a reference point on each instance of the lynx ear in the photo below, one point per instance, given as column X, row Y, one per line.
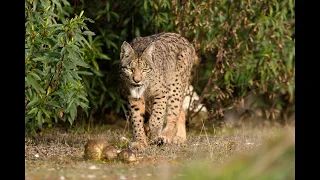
column 149, row 50
column 126, row 49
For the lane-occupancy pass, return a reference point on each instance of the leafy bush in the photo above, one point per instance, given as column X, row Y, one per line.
column 245, row 47
column 248, row 46
column 54, row 60
column 116, row 21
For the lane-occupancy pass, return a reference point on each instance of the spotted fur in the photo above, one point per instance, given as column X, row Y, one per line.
column 155, row 71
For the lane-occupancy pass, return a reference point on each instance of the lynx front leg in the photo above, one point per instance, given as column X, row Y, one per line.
column 157, row 117
column 137, row 110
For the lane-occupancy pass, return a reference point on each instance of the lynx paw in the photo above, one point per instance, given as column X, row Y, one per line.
column 166, row 138
column 179, row 140
column 161, row 140
column 155, row 138
column 137, row 146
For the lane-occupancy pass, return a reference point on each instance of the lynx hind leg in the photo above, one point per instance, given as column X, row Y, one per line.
column 181, row 134
column 184, row 65
column 169, row 131
column 173, row 109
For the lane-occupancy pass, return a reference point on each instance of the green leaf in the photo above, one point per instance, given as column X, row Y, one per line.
column 126, row 21
column 145, row 5
column 76, row 57
column 70, row 104
column 85, row 41
column 102, row 84
column 95, row 64
column 88, row 19
column 68, row 78
column 41, row 58
column 101, row 99
column 270, row 10
column 69, row 64
column 81, row 13
column 48, row 90
column 64, row 49
column 110, row 43
column 112, row 36
column 39, row 117
column 57, row 27
column 73, row 112
column 80, row 62
column 33, row 111
column 84, row 105
column 70, row 120
column 112, row 95
column 34, row 6
column 115, row 15
column 55, row 119
column 88, row 33
column 35, row 76
column 44, row 72
column 33, row 83
column 71, row 95
column 55, row 104
column 75, row 75
column 108, row 17
column 47, row 113
column 227, row 76
column 85, row 73
column 83, row 98
column 33, row 102
column 103, row 56
column 137, row 32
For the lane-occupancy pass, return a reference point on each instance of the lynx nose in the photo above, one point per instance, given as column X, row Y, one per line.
column 137, row 79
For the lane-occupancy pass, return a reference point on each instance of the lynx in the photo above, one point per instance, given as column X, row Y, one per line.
column 155, row 71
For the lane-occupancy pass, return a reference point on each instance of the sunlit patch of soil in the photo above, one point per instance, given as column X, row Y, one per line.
column 58, row 154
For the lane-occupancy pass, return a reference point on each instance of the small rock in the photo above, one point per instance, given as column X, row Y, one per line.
column 36, row 155
column 127, row 155
column 109, row 153
column 93, row 149
column 93, row 167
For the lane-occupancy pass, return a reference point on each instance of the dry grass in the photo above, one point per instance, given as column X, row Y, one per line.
column 225, row 153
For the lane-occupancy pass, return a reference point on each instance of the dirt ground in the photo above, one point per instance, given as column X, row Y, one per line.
column 58, row 154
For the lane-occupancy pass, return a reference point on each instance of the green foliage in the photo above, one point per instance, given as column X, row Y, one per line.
column 116, row 21
column 249, row 45
column 54, row 45
column 245, row 46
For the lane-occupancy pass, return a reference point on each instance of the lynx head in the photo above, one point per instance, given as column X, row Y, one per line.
column 135, row 68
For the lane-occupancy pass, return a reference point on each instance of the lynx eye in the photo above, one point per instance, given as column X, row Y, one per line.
column 127, row 69
column 146, row 70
